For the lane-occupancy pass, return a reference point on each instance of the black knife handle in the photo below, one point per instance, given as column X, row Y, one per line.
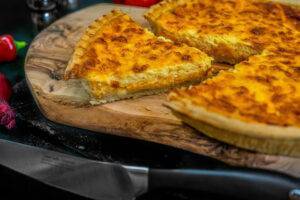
column 241, row 184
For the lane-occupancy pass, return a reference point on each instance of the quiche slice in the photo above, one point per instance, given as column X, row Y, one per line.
column 116, row 59
column 255, row 106
column 228, row 30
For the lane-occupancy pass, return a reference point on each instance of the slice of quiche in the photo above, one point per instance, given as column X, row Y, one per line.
column 228, row 30
column 116, row 59
column 254, row 106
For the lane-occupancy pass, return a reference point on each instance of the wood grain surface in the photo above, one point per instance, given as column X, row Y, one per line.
column 144, row 118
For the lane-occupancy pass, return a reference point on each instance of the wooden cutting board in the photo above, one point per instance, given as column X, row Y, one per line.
column 144, row 118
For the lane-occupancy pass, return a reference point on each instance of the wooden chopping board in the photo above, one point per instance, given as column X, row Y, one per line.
column 143, row 118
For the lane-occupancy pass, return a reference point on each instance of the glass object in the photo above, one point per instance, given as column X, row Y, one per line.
column 41, row 20
column 68, row 4
column 41, row 5
column 44, row 12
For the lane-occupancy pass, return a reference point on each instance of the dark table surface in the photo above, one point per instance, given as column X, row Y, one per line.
column 34, row 129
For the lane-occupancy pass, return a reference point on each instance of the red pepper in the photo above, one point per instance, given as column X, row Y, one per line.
column 144, row 3
column 118, row 1
column 7, row 115
column 5, row 88
column 9, row 48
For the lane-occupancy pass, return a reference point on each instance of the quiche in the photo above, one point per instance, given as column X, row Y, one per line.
column 255, row 104
column 116, row 59
column 228, row 30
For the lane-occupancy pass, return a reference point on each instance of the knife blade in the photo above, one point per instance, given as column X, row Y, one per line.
column 88, row 178
column 109, row 181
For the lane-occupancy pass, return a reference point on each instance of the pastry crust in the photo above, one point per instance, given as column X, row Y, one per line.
column 261, row 137
column 269, row 145
column 116, row 58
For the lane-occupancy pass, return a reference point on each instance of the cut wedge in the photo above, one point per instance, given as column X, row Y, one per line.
column 116, row 59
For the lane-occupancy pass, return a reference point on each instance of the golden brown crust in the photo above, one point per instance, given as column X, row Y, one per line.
column 259, row 137
column 117, row 58
column 254, row 136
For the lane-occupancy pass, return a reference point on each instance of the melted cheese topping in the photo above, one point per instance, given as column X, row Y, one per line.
column 265, row 88
column 124, row 56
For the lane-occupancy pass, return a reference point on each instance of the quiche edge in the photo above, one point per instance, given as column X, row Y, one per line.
column 259, row 130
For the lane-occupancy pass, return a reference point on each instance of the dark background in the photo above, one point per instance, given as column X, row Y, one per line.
column 34, row 129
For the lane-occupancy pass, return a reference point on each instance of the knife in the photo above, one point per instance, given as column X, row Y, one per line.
column 109, row 181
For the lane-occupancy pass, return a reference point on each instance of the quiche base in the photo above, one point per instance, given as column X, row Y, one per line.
column 270, row 139
column 111, row 97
